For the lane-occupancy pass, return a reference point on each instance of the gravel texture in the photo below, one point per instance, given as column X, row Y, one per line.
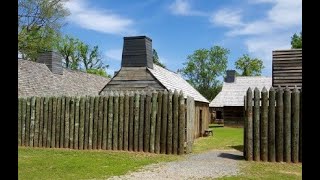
column 206, row 165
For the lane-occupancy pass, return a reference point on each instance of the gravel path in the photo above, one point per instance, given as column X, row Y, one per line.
column 206, row 165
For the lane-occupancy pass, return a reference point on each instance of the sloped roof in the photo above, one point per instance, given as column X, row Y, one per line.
column 232, row 94
column 172, row 81
column 36, row 79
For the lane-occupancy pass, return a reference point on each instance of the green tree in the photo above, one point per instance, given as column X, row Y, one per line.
column 39, row 23
column 249, row 66
column 156, row 59
column 203, row 67
column 68, row 48
column 90, row 57
column 296, row 41
column 100, row 72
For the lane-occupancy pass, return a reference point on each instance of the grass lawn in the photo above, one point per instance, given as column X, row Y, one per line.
column 38, row 163
column 223, row 138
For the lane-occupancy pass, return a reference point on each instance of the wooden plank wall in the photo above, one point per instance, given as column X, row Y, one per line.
column 287, row 68
column 199, row 129
column 130, row 121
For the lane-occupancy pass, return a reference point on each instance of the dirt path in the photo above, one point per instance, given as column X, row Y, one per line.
column 211, row 164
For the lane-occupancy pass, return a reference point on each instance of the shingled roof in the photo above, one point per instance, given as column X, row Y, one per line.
column 232, row 94
column 171, row 81
column 36, row 79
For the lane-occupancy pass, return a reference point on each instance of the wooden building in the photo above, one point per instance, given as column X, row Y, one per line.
column 287, row 68
column 228, row 105
column 139, row 73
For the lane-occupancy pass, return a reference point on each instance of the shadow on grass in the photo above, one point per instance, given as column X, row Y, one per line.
column 216, row 126
column 231, row 156
column 237, row 147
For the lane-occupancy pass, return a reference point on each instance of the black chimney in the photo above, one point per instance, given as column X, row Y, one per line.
column 231, row 74
column 53, row 60
column 137, row 52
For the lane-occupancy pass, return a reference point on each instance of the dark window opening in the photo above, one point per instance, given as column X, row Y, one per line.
column 218, row 115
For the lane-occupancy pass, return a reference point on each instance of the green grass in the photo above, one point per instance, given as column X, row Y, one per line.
column 267, row 170
column 38, row 163
column 223, row 138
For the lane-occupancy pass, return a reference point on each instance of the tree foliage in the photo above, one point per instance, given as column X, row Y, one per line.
column 39, row 23
column 296, row 41
column 249, row 66
column 156, row 59
column 203, row 67
column 78, row 55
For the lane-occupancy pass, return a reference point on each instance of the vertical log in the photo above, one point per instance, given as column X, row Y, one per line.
column 264, row 125
column 158, row 123
column 163, row 138
column 121, row 117
column 32, row 120
column 146, row 134
column 23, row 121
column 295, row 125
column 27, row 129
column 81, row 123
column 249, row 148
column 279, row 125
column 131, row 117
column 105, row 122
column 50, row 122
column 110, row 121
column 76, row 124
column 136, row 121
column 256, row 125
column 169, row 130
column 175, row 121
column 182, row 126
column 271, row 123
column 141, row 120
column 95, row 122
column 300, row 128
column 287, row 124
column 100, row 123
column 67, row 122
column 126, row 122
column 86, row 123
column 58, row 121
column 115, row 120
column 37, row 123
column 62, row 122
column 19, row 120
column 53, row 122
column 91, row 114
column 153, row 120
column 41, row 122
column 71, row 124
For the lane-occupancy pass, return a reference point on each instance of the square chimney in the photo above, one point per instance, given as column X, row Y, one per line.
column 53, row 60
column 137, row 52
column 231, row 74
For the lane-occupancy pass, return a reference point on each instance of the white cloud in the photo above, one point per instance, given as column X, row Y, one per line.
column 227, row 17
column 115, row 54
column 98, row 20
column 183, row 7
column 262, row 36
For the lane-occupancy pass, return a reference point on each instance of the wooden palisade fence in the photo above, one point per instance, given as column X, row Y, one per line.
column 156, row 122
column 273, row 128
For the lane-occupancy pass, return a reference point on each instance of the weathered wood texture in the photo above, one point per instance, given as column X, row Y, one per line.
column 280, row 125
column 287, row 68
column 156, row 122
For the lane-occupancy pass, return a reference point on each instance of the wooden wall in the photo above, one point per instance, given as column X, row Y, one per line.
column 233, row 115
column 287, row 68
column 133, row 78
column 199, row 127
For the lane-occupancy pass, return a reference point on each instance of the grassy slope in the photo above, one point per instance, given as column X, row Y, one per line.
column 36, row 163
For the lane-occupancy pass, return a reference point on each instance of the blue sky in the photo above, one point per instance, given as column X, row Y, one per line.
column 179, row 27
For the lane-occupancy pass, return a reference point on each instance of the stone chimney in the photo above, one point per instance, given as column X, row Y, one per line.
column 231, row 74
column 137, row 52
column 53, row 60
